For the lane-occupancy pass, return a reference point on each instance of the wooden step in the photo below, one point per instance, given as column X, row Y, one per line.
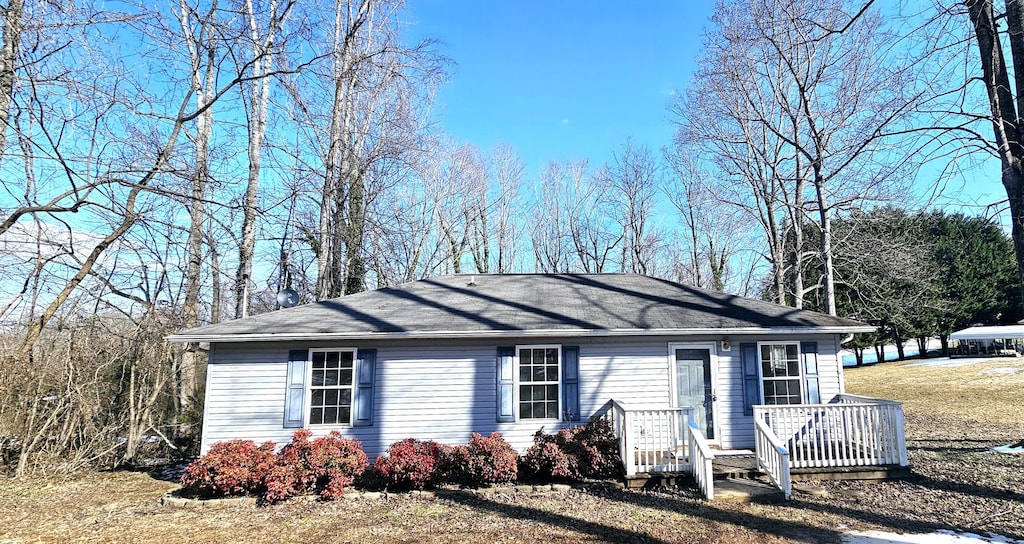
column 735, row 467
column 659, row 480
column 745, row 490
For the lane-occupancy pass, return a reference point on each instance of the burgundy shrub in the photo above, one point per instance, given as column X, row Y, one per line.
column 484, row 460
column 412, row 463
column 325, row 465
column 588, row 451
column 235, row 467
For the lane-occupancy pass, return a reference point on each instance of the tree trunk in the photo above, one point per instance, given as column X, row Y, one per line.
column 202, row 55
column 8, row 61
column 825, row 225
column 215, row 281
column 355, row 266
column 259, row 98
column 1004, row 111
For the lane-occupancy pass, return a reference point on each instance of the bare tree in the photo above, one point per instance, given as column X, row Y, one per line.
column 820, row 99
column 634, row 178
column 506, row 173
column 455, row 183
column 376, row 90
column 264, row 28
column 712, row 230
column 549, row 235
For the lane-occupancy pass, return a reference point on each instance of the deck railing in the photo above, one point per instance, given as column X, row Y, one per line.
column 701, row 460
column 651, row 439
column 849, row 431
column 772, row 457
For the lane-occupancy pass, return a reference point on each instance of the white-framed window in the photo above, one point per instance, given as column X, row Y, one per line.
column 331, row 375
column 780, row 372
column 539, row 385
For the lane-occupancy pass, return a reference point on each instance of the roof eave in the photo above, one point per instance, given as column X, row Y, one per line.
column 536, row 333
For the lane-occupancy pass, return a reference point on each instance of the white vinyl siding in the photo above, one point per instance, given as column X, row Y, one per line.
column 444, row 390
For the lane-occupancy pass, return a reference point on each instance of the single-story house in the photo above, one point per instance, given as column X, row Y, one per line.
column 442, row 357
column 989, row 340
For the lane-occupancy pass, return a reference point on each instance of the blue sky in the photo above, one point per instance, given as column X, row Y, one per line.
column 562, row 80
column 565, row 80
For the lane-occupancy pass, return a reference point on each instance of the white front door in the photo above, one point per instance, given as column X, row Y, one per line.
column 695, row 384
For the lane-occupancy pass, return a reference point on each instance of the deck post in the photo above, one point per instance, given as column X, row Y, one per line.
column 627, row 442
column 901, row 437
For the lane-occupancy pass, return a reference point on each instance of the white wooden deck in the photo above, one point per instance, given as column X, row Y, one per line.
column 850, row 431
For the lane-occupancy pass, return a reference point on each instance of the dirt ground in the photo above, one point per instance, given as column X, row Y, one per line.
column 954, row 416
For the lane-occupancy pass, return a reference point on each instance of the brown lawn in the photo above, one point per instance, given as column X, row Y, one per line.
column 954, row 416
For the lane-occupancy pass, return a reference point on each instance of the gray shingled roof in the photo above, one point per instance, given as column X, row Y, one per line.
column 524, row 305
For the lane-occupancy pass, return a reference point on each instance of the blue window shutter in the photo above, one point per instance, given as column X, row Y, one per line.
column 506, row 385
column 362, row 394
column 571, row 382
column 751, row 389
column 809, row 354
column 295, row 391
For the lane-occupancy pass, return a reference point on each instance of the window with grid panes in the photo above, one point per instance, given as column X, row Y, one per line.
column 539, row 382
column 780, row 373
column 331, row 387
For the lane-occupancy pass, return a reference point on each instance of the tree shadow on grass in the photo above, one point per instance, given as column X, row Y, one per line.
column 900, row 524
column 952, row 445
column 962, row 488
column 791, row 530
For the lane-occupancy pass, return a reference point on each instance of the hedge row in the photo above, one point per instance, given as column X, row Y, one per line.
column 329, row 464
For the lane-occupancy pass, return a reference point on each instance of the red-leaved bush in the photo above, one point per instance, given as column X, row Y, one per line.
column 412, row 463
column 325, row 465
column 588, row 451
column 236, row 467
column 484, row 460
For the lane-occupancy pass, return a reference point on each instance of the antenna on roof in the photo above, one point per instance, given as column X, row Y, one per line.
column 288, row 297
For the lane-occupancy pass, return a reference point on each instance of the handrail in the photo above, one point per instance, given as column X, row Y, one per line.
column 849, row 431
column 622, row 430
column 701, row 460
column 650, row 439
column 846, row 398
column 772, row 457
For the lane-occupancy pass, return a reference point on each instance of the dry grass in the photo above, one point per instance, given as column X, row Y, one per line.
column 994, row 388
column 954, row 416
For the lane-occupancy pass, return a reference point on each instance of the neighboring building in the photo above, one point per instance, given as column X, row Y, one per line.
column 1007, row 340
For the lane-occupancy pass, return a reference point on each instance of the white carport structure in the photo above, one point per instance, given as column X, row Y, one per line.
column 990, row 340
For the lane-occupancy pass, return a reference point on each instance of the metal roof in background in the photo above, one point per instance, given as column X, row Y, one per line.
column 989, row 332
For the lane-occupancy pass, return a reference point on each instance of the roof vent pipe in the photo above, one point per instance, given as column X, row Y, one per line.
column 472, row 282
